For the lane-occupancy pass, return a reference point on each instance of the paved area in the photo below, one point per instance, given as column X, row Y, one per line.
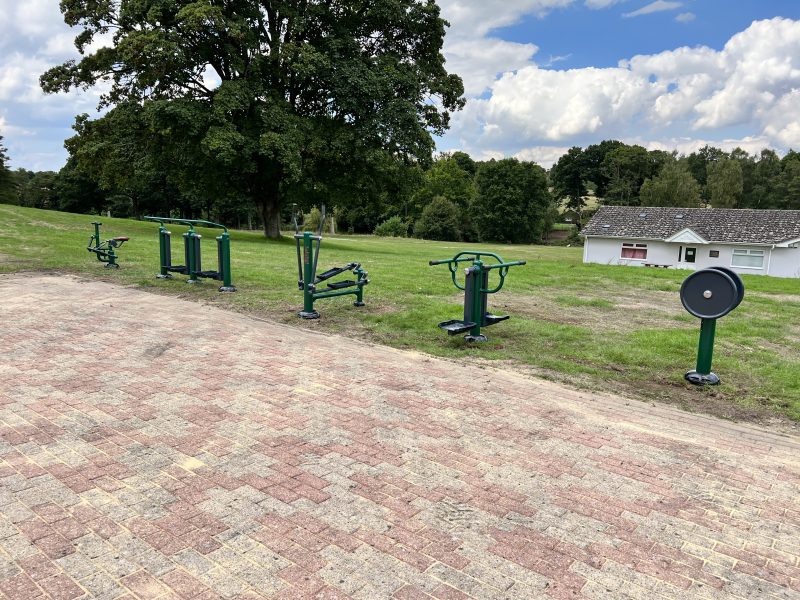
column 156, row 448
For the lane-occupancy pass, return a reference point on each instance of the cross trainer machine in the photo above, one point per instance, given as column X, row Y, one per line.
column 192, row 253
column 308, row 279
column 709, row 294
column 476, row 290
column 105, row 250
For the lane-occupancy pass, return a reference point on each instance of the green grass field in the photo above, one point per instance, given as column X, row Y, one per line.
column 616, row 329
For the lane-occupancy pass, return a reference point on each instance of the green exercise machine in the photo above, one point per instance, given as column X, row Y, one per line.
column 307, row 278
column 192, row 252
column 476, row 290
column 105, row 250
column 709, row 294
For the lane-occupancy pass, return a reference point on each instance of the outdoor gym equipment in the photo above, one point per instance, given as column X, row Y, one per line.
column 307, row 271
column 476, row 289
column 709, row 294
column 105, row 250
column 193, row 264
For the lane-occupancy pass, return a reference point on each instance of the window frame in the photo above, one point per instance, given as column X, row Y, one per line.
column 748, row 252
column 633, row 246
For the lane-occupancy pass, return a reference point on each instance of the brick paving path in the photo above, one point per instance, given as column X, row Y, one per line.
column 173, row 450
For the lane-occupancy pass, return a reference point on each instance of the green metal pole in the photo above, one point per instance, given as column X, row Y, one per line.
column 162, row 252
column 112, row 257
column 477, row 297
column 96, row 233
column 308, row 311
column 225, row 260
column 706, row 347
column 191, row 263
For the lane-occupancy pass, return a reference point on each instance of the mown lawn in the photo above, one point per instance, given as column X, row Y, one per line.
column 616, row 329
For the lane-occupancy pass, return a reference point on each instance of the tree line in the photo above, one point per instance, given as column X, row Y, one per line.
column 629, row 175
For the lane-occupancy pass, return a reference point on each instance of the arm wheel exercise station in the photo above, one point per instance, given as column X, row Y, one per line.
column 307, row 271
column 709, row 294
column 476, row 290
column 105, row 250
column 192, row 253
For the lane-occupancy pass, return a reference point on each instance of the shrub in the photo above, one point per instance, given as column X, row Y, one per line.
column 440, row 220
column 392, row 227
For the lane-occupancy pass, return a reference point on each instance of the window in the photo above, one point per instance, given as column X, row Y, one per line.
column 634, row 251
column 748, row 258
column 690, row 255
column 713, row 253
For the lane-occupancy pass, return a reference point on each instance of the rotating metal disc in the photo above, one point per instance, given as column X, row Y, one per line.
column 736, row 279
column 709, row 294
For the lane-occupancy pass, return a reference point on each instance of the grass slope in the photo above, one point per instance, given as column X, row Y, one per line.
column 599, row 327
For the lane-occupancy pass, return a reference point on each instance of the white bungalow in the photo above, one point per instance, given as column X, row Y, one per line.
column 756, row 242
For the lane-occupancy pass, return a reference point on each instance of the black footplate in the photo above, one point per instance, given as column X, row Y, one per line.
column 341, row 284
column 210, row 275
column 489, row 319
column 456, row 326
column 180, row 269
column 335, row 271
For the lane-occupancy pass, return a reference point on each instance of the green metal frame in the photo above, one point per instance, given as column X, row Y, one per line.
column 476, row 288
column 193, row 267
column 307, row 271
column 104, row 250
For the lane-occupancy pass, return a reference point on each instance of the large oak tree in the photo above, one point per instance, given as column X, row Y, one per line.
column 288, row 91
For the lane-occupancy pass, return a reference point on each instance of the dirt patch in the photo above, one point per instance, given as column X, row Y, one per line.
column 624, row 313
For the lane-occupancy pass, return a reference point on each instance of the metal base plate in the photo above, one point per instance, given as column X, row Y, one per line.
column 475, row 338
column 308, row 315
column 358, row 304
column 160, row 276
column 110, row 266
column 227, row 288
column 696, row 378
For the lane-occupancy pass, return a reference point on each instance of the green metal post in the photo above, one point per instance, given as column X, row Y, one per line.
column 359, row 273
column 224, row 242
column 163, row 235
column 706, row 347
column 112, row 257
column 191, row 259
column 96, row 233
column 308, row 277
column 477, row 299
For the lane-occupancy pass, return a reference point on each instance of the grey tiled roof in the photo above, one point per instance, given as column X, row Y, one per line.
column 743, row 226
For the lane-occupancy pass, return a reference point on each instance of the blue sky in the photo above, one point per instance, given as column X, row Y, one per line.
column 601, row 38
column 541, row 76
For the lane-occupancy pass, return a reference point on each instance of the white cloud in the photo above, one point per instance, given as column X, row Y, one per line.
column 686, row 17
column 752, row 84
column 478, row 62
column 653, row 7
column 597, row 4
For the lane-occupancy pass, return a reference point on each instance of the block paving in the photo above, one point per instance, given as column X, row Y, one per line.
column 152, row 447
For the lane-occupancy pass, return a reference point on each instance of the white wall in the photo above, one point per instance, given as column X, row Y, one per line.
column 781, row 262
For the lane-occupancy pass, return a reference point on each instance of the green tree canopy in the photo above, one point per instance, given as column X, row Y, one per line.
column 8, row 192
column 626, row 168
column 512, row 201
column 724, row 183
column 568, row 178
column 308, row 90
column 440, row 220
column 447, row 179
column 673, row 186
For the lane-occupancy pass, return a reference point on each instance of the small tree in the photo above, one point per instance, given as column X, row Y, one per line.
column 440, row 220
column 512, row 201
column 674, row 186
column 392, row 227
